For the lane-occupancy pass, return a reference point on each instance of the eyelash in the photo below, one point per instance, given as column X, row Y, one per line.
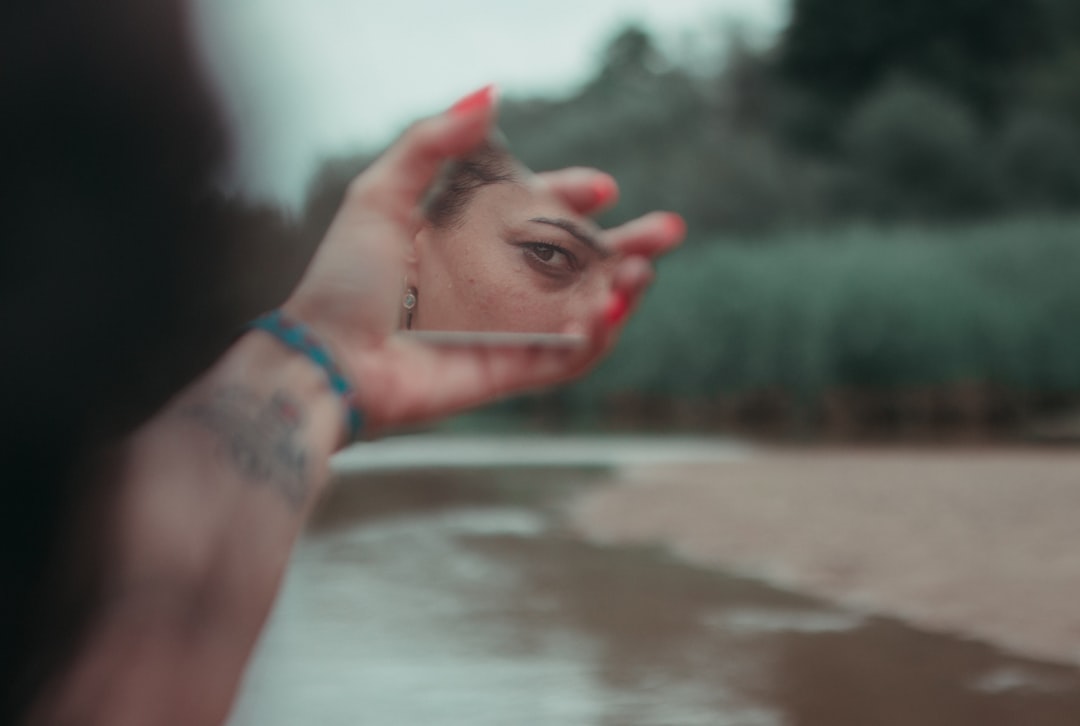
column 533, row 247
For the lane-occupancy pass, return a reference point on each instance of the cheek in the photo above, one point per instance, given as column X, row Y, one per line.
column 503, row 296
column 464, row 286
column 520, row 299
column 533, row 304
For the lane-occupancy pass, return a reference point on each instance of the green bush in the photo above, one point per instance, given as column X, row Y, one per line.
column 920, row 152
column 1039, row 161
column 866, row 308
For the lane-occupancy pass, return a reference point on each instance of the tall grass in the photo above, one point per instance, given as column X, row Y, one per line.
column 866, row 308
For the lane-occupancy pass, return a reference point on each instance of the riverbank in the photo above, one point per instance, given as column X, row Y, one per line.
column 979, row 543
column 453, row 595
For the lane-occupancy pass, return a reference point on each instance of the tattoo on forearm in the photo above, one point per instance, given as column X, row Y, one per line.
column 259, row 437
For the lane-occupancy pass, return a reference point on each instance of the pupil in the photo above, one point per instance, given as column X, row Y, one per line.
column 545, row 253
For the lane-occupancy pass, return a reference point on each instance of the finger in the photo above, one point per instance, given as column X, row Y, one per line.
column 584, row 190
column 444, row 380
column 608, row 318
column 474, row 374
column 633, row 275
column 650, row 235
column 398, row 179
column 631, row 279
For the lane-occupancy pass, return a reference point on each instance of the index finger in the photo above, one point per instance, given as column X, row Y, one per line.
column 397, row 180
column 649, row 235
column 584, row 190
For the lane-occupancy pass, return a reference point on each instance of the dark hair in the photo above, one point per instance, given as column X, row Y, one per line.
column 491, row 163
column 110, row 141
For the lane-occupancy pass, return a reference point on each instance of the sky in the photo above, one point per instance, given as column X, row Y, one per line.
column 305, row 80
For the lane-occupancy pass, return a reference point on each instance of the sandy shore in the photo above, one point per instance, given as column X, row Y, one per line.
column 984, row 544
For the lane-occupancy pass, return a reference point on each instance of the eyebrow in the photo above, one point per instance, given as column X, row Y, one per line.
column 575, row 231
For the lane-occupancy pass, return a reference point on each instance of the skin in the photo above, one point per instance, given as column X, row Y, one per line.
column 518, row 260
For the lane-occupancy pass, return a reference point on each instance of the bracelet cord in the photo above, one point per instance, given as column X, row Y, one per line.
column 300, row 337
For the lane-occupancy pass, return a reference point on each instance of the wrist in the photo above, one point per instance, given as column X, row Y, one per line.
column 295, row 334
column 260, row 362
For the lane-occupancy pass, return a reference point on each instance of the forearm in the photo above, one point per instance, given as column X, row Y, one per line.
column 212, row 496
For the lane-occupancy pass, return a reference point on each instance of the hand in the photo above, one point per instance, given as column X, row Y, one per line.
column 350, row 294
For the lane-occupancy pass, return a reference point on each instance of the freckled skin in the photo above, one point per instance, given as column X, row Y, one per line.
column 476, row 276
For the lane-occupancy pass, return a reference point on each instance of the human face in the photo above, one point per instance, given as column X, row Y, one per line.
column 519, row 260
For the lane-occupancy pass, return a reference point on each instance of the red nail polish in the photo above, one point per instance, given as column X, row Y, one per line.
column 483, row 98
column 603, row 190
column 616, row 309
column 676, row 225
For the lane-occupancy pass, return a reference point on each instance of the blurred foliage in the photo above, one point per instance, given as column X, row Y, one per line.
column 843, row 49
column 861, row 110
column 810, row 313
column 919, row 152
column 1039, row 158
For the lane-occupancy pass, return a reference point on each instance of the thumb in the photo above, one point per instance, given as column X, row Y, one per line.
column 398, row 179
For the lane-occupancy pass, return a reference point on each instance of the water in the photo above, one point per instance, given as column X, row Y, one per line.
column 448, row 598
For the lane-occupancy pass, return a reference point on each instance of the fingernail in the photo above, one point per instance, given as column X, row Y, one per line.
column 603, row 189
column 676, row 225
column 483, row 98
column 616, row 309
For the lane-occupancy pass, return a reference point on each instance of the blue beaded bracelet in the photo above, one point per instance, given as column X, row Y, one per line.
column 299, row 337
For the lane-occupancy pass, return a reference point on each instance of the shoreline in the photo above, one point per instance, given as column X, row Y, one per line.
column 980, row 543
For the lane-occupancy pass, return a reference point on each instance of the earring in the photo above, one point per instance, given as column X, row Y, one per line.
column 408, row 303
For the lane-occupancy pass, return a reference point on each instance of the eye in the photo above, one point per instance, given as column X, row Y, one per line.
column 549, row 257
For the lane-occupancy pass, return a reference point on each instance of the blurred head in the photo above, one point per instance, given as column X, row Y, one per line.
column 500, row 252
column 111, row 245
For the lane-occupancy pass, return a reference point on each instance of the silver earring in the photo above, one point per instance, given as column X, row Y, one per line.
column 409, row 305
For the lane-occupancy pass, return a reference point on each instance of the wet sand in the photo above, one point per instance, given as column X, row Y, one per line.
column 980, row 543
column 468, row 597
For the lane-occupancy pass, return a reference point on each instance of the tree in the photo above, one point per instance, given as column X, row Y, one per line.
column 630, row 54
column 841, row 49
